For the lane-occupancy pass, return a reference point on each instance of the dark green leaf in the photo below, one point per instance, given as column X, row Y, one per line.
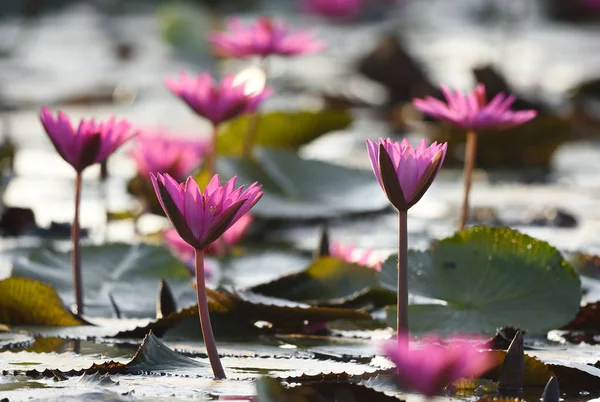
column 487, row 278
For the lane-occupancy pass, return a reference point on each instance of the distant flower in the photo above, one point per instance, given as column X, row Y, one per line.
column 217, row 102
column 438, row 363
column 591, row 3
column 348, row 253
column 334, row 8
column 178, row 157
column 87, row 144
column 201, row 218
column 231, row 237
column 405, row 173
column 471, row 111
column 263, row 38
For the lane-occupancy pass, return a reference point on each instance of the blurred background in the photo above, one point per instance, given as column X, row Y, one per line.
column 110, row 57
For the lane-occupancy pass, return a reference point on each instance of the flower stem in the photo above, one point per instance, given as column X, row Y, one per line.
column 211, row 158
column 402, row 323
column 470, row 155
column 207, row 333
column 254, row 120
column 76, row 256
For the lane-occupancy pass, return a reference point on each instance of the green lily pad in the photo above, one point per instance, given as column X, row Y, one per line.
column 304, row 189
column 330, row 281
column 129, row 272
column 28, row 302
column 487, row 278
column 287, row 130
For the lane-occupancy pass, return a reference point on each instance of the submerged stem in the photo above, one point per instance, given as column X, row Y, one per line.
column 207, row 332
column 402, row 323
column 76, row 256
column 470, row 155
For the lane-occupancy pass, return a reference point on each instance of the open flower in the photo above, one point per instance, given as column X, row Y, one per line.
column 231, row 237
column 349, row 254
column 201, row 218
column 334, row 8
column 438, row 363
column 262, row 38
column 176, row 156
column 87, row 144
column 217, row 102
column 471, row 111
column 405, row 173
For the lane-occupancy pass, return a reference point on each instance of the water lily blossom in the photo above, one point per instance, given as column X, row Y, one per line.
column 404, row 173
column 334, row 8
column 200, row 218
column 349, row 254
column 217, row 102
column 472, row 113
column 160, row 153
column 82, row 146
column 437, row 363
column 264, row 37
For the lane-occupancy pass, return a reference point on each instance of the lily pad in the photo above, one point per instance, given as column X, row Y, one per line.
column 482, row 278
column 330, row 281
column 29, row 302
column 287, row 130
column 305, row 189
column 129, row 272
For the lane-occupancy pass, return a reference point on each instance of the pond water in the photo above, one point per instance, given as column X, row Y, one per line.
column 68, row 57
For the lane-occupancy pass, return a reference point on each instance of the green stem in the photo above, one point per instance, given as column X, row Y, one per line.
column 207, row 332
column 470, row 155
column 402, row 323
column 254, row 120
column 211, row 158
column 76, row 256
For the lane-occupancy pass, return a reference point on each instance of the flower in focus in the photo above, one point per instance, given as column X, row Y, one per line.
column 176, row 156
column 87, row 144
column 403, row 172
column 348, row 254
column 262, row 38
column 201, row 218
column 217, row 102
column 334, row 8
column 438, row 363
column 219, row 247
column 471, row 111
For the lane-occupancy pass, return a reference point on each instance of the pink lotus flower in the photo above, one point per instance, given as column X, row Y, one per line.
column 334, row 8
column 201, row 218
column 591, row 3
column 231, row 237
column 405, row 173
column 213, row 101
column 471, row 111
column 430, row 369
column 263, row 38
column 348, row 253
column 90, row 143
column 176, row 156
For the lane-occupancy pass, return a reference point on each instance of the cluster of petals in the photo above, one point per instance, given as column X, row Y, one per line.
column 334, row 8
column 91, row 142
column 403, row 172
column 218, row 248
column 200, row 218
column 349, row 253
column 159, row 152
column 217, row 102
column 438, row 363
column 471, row 111
column 262, row 38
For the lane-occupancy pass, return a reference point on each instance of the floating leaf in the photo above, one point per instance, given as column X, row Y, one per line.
column 287, row 130
column 130, row 273
column 297, row 188
column 154, row 355
column 28, row 302
column 330, row 281
column 536, row 372
column 487, row 278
